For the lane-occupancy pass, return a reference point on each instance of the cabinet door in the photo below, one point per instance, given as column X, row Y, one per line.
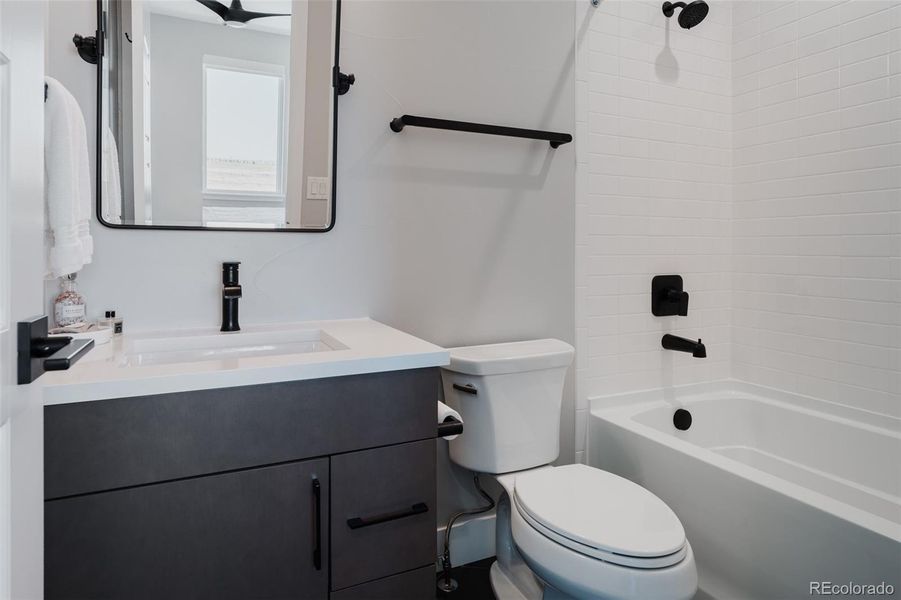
column 383, row 512
column 259, row 533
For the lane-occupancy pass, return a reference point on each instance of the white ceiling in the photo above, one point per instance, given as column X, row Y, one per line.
column 193, row 10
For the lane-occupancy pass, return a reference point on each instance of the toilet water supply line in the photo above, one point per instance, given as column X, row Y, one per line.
column 446, row 583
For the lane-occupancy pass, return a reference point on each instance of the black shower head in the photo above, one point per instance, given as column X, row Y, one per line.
column 692, row 13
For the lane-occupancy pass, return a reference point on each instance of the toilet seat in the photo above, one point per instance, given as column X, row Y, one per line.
column 578, row 575
column 604, row 555
column 600, row 515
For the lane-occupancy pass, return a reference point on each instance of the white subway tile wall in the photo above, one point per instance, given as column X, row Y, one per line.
column 759, row 156
column 654, row 194
column 816, row 228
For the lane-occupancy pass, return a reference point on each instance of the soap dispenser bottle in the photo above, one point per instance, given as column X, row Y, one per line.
column 69, row 307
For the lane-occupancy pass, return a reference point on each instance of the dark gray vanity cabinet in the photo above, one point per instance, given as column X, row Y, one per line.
column 310, row 489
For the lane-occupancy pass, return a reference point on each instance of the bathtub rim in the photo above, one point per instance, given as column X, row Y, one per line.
column 619, row 410
column 736, row 388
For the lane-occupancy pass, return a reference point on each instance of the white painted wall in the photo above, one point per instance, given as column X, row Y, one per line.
column 817, row 190
column 653, row 194
column 456, row 238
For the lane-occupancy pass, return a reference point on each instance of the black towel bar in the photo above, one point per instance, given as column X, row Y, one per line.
column 556, row 139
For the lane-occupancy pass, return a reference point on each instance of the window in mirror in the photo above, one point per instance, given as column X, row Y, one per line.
column 244, row 118
column 244, row 157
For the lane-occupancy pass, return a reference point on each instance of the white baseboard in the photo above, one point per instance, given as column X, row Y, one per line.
column 471, row 540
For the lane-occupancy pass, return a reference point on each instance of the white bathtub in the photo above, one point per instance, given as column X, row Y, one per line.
column 775, row 490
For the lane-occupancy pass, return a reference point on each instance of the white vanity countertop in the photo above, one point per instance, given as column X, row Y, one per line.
column 114, row 370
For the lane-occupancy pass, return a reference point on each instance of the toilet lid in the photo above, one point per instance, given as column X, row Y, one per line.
column 600, row 510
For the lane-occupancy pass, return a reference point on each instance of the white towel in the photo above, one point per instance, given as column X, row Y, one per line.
column 67, row 182
column 111, row 191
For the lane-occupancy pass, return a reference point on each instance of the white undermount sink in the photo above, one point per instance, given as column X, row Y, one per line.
column 223, row 346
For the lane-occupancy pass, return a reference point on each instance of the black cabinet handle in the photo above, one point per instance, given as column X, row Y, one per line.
column 317, row 501
column 416, row 509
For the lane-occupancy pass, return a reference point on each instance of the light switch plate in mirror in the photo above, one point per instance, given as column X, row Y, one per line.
column 202, row 126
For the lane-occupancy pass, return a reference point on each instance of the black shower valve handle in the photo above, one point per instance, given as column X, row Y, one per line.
column 678, row 296
column 668, row 296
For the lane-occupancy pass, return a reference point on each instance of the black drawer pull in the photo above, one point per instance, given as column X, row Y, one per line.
column 317, row 548
column 466, row 389
column 416, row 509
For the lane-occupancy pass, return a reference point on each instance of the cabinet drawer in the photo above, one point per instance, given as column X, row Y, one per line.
column 418, row 584
column 383, row 512
column 260, row 533
column 109, row 444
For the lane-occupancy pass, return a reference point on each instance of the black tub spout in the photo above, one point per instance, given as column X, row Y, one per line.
column 680, row 344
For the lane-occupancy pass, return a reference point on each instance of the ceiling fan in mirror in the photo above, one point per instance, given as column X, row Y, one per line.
column 234, row 15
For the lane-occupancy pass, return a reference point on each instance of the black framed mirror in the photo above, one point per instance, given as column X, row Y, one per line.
column 217, row 115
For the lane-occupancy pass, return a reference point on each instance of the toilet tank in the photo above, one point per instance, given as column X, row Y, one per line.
column 509, row 396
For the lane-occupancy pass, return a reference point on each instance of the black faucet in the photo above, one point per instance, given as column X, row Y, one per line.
column 231, row 293
column 674, row 342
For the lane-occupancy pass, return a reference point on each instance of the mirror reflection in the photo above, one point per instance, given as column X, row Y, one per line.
column 217, row 115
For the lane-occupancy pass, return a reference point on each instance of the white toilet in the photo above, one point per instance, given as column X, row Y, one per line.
column 562, row 532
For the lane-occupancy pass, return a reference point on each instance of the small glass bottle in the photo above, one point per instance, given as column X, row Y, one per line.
column 69, row 307
column 112, row 321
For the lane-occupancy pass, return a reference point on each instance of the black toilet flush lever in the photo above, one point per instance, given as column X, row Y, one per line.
column 668, row 297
